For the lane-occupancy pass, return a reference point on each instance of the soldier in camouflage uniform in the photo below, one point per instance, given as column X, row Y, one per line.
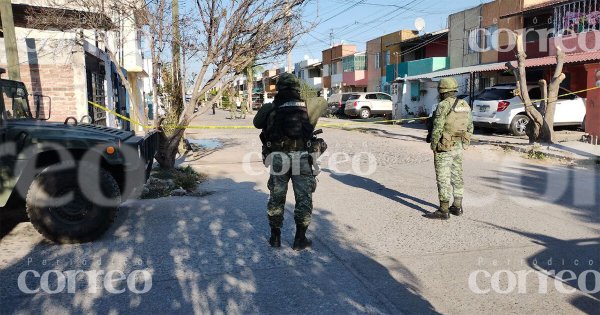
column 286, row 133
column 451, row 134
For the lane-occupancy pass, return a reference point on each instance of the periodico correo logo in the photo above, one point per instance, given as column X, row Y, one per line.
column 71, row 281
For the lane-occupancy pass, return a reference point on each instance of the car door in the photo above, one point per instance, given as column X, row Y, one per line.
column 570, row 108
column 385, row 102
column 373, row 101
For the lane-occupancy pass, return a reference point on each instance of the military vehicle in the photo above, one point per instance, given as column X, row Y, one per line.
column 70, row 177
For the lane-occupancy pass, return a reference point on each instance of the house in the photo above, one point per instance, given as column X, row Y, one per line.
column 354, row 73
column 73, row 68
column 374, row 70
column 480, row 45
column 382, row 52
column 423, row 54
column 310, row 71
column 333, row 68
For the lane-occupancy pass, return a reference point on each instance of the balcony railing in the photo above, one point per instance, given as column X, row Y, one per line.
column 577, row 17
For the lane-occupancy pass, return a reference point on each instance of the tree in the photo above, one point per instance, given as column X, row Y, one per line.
column 541, row 125
column 231, row 36
column 250, row 85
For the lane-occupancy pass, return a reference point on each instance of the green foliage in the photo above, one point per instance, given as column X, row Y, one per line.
column 307, row 92
column 536, row 155
column 187, row 178
column 163, row 181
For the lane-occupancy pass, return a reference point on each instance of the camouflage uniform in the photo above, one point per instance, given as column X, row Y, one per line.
column 244, row 108
column 288, row 158
column 448, row 162
column 294, row 166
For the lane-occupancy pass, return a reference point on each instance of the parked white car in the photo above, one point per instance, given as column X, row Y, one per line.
column 497, row 107
column 366, row 104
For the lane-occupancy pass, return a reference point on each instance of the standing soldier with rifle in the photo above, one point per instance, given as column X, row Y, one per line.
column 451, row 134
column 290, row 149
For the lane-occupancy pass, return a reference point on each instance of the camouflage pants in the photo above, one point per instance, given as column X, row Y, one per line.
column 294, row 166
column 449, row 173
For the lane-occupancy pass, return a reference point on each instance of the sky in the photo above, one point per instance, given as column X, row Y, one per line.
column 357, row 21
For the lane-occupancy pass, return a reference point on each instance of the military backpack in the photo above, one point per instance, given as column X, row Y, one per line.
column 456, row 127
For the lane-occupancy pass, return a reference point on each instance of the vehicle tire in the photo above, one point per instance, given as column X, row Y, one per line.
column 518, row 126
column 78, row 220
column 364, row 113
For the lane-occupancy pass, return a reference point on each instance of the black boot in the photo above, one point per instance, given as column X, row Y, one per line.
column 441, row 214
column 275, row 239
column 300, row 240
column 456, row 208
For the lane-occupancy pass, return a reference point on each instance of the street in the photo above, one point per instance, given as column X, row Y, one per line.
column 373, row 251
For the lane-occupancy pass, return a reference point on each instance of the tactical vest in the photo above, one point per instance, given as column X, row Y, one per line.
column 456, row 126
column 288, row 128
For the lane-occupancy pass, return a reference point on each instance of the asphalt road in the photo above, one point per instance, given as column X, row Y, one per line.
column 525, row 222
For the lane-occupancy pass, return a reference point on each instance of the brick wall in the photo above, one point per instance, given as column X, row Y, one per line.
column 54, row 81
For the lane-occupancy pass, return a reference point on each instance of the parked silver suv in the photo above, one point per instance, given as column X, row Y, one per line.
column 366, row 104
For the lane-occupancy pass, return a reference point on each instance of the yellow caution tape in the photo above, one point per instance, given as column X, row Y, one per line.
column 319, row 125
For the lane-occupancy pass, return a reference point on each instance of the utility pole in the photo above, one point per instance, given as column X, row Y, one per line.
column 331, row 38
column 10, row 40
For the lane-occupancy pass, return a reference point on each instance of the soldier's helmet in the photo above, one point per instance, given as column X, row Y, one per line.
column 288, row 81
column 448, row 85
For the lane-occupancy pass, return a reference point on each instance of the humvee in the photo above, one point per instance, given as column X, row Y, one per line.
column 69, row 177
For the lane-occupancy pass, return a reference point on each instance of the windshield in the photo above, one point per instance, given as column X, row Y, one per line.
column 354, row 97
column 496, row 95
column 15, row 103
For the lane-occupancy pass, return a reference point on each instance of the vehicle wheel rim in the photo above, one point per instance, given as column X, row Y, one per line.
column 74, row 212
column 364, row 114
column 522, row 125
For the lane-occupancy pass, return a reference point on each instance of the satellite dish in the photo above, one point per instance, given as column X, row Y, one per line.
column 420, row 24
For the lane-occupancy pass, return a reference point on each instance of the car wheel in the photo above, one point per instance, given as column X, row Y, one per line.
column 72, row 217
column 518, row 126
column 365, row 113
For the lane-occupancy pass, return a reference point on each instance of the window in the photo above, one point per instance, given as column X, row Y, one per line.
column 577, row 17
column 564, row 94
column 535, row 94
column 496, row 95
column 474, row 41
column 387, row 57
column 383, row 97
column 335, row 67
column 377, row 60
column 415, row 91
column 371, row 96
column 15, row 103
column 353, row 97
column 491, row 38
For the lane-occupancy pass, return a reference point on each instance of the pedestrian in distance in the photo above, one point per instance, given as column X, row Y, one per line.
column 450, row 136
column 244, row 108
column 288, row 145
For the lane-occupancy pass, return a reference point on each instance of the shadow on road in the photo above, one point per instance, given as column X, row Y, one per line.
column 580, row 256
column 575, row 188
column 377, row 188
column 10, row 218
column 210, row 255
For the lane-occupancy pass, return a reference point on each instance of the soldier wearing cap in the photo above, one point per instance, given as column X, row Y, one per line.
column 451, row 134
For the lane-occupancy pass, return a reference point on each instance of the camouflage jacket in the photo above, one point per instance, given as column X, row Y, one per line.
column 439, row 121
